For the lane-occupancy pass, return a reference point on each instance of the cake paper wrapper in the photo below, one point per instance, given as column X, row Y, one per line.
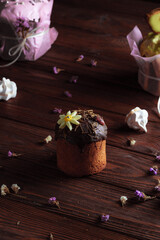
column 37, row 41
column 149, row 67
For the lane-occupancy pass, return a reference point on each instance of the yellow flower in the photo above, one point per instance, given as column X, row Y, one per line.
column 66, row 120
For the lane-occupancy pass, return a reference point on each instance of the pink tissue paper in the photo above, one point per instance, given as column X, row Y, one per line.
column 149, row 67
column 25, row 32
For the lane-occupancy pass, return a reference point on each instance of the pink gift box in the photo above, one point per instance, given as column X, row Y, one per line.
column 25, row 32
column 149, row 67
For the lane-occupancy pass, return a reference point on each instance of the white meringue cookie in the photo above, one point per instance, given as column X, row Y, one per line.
column 8, row 89
column 137, row 119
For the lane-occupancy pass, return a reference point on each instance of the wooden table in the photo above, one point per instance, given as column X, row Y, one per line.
column 96, row 29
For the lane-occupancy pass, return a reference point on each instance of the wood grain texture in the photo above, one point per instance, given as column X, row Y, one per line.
column 98, row 30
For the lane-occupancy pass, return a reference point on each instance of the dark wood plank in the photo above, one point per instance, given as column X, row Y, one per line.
column 83, row 199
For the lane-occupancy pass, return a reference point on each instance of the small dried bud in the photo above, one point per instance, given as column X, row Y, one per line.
column 123, row 200
column 80, row 58
column 48, row 139
column 4, row 190
column 57, row 70
column 15, row 188
column 104, row 217
column 131, row 142
column 157, row 187
column 51, row 236
column 12, row 154
column 53, row 201
column 93, row 63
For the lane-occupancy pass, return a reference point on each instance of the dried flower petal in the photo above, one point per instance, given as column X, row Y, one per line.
column 57, row 110
column 153, row 170
column 80, row 58
column 57, row 70
column 123, row 200
column 93, row 63
column 15, row 188
column 53, row 201
column 4, row 190
column 104, row 218
column 73, row 79
column 67, row 94
column 48, row 139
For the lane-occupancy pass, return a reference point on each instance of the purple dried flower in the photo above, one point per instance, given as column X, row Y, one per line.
column 153, row 170
column 157, row 188
column 57, row 110
column 73, row 79
column 158, row 157
column 57, row 70
column 104, row 218
column 52, row 200
column 80, row 58
column 67, row 94
column 10, row 154
column 93, row 63
column 139, row 194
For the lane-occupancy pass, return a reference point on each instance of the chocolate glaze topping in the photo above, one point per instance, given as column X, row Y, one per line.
column 92, row 128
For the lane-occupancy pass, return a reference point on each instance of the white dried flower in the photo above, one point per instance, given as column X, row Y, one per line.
column 131, row 142
column 123, row 200
column 15, row 188
column 48, row 139
column 4, row 190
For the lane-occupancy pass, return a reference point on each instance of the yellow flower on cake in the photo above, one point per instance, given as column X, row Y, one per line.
column 69, row 119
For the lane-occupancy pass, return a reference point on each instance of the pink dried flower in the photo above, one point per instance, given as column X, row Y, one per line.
column 80, row 58
column 57, row 110
column 93, row 63
column 74, row 79
column 57, row 70
column 67, row 94
column 104, row 218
